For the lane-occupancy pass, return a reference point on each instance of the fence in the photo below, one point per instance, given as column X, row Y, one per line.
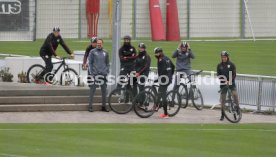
column 257, row 91
column 197, row 18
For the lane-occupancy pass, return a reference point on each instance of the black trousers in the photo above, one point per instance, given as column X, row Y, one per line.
column 161, row 99
column 139, row 83
column 124, row 72
column 48, row 65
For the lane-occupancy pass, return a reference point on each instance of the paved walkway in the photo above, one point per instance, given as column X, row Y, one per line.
column 189, row 115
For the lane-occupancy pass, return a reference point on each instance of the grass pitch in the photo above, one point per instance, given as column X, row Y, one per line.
column 136, row 140
column 250, row 57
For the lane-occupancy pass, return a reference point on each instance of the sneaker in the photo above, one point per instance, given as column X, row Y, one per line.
column 165, row 116
column 104, row 109
column 46, row 83
column 222, row 118
column 90, row 109
column 38, row 82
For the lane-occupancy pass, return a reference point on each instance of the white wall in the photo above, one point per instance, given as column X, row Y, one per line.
column 215, row 18
column 209, row 18
column 62, row 13
column 263, row 17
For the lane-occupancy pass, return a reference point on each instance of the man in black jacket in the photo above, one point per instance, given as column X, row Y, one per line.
column 226, row 72
column 90, row 47
column 127, row 55
column 48, row 49
column 165, row 74
column 142, row 68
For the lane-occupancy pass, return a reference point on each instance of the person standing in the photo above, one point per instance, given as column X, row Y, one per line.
column 99, row 69
column 183, row 57
column 227, row 70
column 91, row 46
column 127, row 55
column 165, row 73
column 142, row 68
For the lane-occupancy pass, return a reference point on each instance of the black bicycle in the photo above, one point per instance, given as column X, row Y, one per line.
column 120, row 99
column 68, row 77
column 146, row 103
column 153, row 86
column 231, row 110
column 192, row 93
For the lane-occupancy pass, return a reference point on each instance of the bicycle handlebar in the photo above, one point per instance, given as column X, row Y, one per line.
column 196, row 73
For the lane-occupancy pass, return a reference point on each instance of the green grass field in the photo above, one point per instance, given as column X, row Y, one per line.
column 250, row 57
column 137, row 140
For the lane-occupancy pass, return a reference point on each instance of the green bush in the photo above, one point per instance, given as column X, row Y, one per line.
column 6, row 75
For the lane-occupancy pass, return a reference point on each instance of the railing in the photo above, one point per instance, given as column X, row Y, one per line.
column 254, row 90
column 257, row 91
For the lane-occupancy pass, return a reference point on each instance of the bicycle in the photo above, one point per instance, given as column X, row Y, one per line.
column 231, row 110
column 152, row 87
column 146, row 102
column 68, row 76
column 193, row 94
column 120, row 99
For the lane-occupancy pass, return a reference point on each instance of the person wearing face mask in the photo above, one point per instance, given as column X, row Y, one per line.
column 48, row 49
column 165, row 73
column 183, row 57
column 127, row 56
column 98, row 69
column 141, row 67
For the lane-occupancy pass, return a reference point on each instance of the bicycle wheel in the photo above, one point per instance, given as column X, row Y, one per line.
column 69, row 77
column 144, row 104
column 231, row 110
column 173, row 103
column 197, row 98
column 34, row 72
column 120, row 100
column 183, row 92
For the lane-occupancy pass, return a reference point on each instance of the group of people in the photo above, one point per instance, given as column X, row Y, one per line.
column 96, row 61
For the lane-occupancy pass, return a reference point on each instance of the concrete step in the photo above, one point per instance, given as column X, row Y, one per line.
column 47, row 100
column 47, row 107
column 47, row 92
column 50, row 100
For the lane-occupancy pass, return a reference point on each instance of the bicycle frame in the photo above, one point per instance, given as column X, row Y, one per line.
column 190, row 82
column 63, row 64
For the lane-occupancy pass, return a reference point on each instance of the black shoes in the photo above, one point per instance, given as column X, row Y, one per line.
column 104, row 109
column 90, row 109
column 222, row 117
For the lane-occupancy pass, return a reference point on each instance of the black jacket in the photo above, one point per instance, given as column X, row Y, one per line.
column 142, row 64
column 224, row 69
column 130, row 52
column 50, row 45
column 165, row 68
column 86, row 54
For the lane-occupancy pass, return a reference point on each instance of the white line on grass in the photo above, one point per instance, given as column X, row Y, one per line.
column 12, row 155
column 139, row 129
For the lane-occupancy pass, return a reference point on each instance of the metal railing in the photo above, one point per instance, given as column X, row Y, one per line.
column 256, row 90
